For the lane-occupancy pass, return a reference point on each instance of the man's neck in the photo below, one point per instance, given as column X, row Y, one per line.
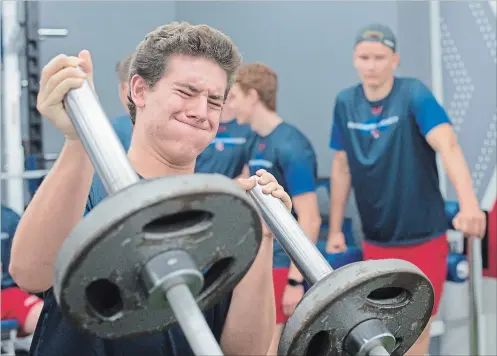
column 376, row 93
column 149, row 164
column 224, row 120
column 264, row 121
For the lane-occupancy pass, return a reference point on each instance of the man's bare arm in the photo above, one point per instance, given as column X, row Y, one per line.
column 307, row 209
column 251, row 317
column 340, row 189
column 443, row 140
column 54, row 211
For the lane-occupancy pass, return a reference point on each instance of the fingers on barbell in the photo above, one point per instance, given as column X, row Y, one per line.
column 57, row 95
column 283, row 196
column 62, row 75
column 56, row 64
column 264, row 177
column 269, row 187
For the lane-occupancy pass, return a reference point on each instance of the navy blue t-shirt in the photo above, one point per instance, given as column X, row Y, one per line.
column 289, row 156
column 55, row 337
column 228, row 152
column 393, row 168
column 10, row 220
column 124, row 129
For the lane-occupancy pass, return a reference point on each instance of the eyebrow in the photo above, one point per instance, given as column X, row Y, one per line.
column 197, row 91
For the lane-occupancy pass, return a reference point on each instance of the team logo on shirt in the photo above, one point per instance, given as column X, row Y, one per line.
column 376, row 110
column 372, row 126
column 219, row 145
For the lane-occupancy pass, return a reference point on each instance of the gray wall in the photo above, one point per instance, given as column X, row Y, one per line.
column 109, row 30
column 308, row 43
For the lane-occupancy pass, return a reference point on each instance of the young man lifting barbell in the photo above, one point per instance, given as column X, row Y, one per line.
column 180, row 77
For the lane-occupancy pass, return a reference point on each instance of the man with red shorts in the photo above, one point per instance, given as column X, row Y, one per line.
column 17, row 305
column 386, row 133
column 282, row 150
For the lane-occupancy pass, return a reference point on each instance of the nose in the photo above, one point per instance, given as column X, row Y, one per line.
column 371, row 64
column 198, row 108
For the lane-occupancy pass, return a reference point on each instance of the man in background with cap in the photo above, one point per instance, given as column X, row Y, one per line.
column 386, row 132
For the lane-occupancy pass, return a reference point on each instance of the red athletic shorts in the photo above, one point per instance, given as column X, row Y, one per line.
column 280, row 279
column 430, row 257
column 16, row 304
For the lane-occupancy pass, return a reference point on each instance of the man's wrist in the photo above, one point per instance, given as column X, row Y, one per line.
column 468, row 202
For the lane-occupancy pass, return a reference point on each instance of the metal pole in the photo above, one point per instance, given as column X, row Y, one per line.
column 477, row 327
column 99, row 139
column 304, row 254
column 379, row 351
column 11, row 114
column 192, row 321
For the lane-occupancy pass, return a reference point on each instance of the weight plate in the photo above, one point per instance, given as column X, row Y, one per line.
column 394, row 291
column 97, row 273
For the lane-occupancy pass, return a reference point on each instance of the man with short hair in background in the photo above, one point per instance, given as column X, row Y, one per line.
column 386, row 133
column 284, row 151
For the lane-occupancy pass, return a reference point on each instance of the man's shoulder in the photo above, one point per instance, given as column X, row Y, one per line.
column 348, row 94
column 292, row 140
column 410, row 86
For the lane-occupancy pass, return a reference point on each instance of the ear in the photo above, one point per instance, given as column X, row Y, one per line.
column 396, row 61
column 253, row 95
column 138, row 89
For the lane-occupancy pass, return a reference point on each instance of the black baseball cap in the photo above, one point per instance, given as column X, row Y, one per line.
column 377, row 33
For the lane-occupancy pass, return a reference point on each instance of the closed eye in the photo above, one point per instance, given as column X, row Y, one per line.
column 185, row 93
column 215, row 104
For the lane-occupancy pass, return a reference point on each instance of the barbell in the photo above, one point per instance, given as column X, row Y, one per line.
column 157, row 252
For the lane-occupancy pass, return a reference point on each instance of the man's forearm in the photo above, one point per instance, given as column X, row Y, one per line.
column 251, row 318
column 340, row 189
column 459, row 175
column 310, row 225
column 55, row 209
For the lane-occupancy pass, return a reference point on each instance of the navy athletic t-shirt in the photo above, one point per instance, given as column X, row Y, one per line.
column 228, row 152
column 124, row 129
column 289, row 156
column 393, row 168
column 10, row 220
column 55, row 337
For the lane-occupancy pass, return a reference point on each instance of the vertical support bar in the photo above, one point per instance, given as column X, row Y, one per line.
column 437, row 76
column 477, row 326
column 11, row 81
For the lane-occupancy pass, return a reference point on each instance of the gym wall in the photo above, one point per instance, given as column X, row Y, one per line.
column 308, row 44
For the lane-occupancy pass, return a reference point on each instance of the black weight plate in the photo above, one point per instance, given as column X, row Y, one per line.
column 403, row 299
column 96, row 280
